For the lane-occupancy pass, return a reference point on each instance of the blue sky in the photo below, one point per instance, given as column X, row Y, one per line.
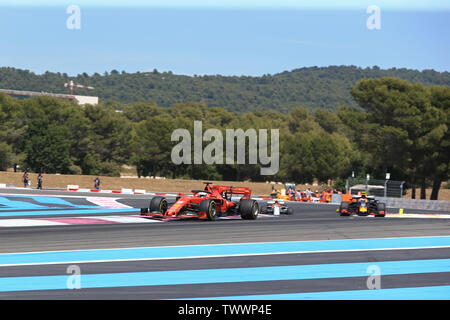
column 240, row 4
column 245, row 37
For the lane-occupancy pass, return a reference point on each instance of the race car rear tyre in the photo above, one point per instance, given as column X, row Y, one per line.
column 264, row 209
column 158, row 204
column 344, row 205
column 209, row 207
column 249, row 209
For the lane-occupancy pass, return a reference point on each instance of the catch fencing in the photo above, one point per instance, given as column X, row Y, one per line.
column 377, row 188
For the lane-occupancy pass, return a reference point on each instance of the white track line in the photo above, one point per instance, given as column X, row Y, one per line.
column 72, row 221
column 126, row 219
column 28, row 223
column 418, row 215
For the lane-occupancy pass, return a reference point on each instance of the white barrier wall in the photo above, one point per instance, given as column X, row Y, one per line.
column 437, row 205
column 86, row 100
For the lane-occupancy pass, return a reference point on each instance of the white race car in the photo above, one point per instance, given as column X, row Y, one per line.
column 277, row 207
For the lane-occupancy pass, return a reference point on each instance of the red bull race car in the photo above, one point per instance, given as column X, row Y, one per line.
column 361, row 205
column 211, row 202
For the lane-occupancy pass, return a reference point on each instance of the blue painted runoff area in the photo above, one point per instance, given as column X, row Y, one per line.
column 8, row 204
column 227, row 275
column 216, row 250
column 412, row 293
column 47, row 206
column 95, row 210
column 58, row 201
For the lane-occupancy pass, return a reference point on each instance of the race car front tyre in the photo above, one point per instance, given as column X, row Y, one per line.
column 381, row 207
column 209, row 207
column 158, row 204
column 249, row 209
column 289, row 211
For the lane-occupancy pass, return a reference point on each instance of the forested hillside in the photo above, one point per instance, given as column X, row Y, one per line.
column 313, row 88
column 404, row 130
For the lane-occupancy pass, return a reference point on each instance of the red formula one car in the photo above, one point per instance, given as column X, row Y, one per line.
column 212, row 202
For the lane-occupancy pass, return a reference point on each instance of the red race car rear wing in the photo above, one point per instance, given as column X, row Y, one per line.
column 246, row 192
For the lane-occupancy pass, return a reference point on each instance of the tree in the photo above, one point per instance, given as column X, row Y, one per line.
column 47, row 148
column 407, row 126
column 152, row 147
column 300, row 120
column 5, row 156
column 439, row 138
column 141, row 111
column 328, row 120
column 110, row 133
column 313, row 88
column 12, row 120
column 314, row 155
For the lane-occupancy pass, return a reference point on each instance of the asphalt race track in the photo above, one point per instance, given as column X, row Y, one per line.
column 66, row 245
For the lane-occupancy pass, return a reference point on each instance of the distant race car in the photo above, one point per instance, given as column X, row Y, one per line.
column 362, row 205
column 212, row 202
column 278, row 206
